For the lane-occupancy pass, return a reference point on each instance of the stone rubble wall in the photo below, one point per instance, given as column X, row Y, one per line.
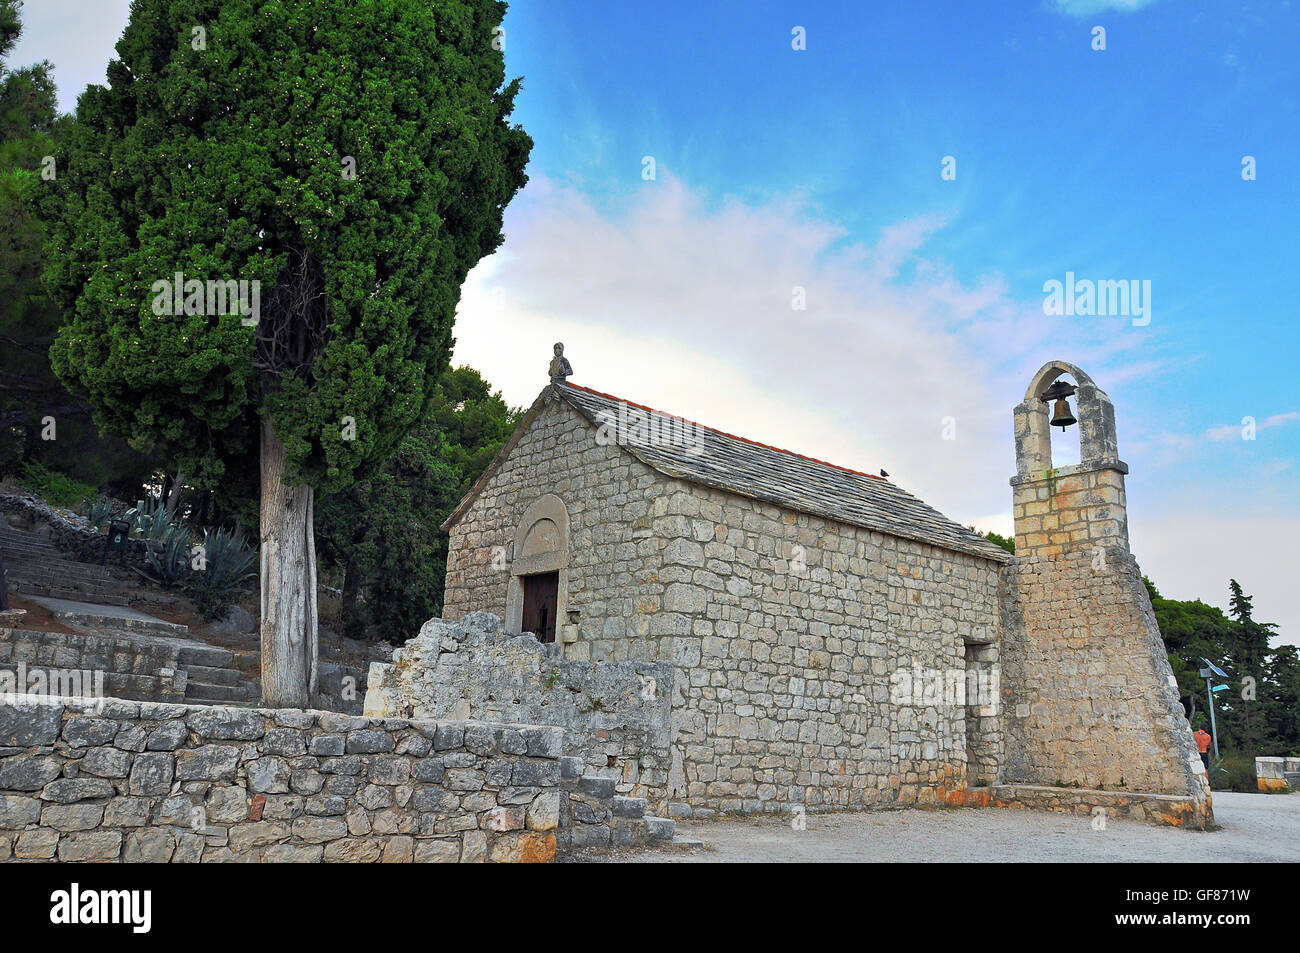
column 73, row 536
column 616, row 715
column 1091, row 699
column 110, row 780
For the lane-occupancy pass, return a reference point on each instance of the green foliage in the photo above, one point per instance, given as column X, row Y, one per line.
column 998, row 540
column 169, row 560
column 30, row 395
column 1260, row 714
column 1235, row 771
column 100, row 509
column 384, row 534
column 54, row 487
column 228, row 562
column 227, row 163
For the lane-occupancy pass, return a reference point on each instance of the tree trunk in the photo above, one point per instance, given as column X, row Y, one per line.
column 351, row 585
column 288, row 584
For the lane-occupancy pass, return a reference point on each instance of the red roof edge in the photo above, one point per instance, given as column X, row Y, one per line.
column 754, row 443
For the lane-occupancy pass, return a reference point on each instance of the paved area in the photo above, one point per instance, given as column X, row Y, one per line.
column 1253, row 827
column 90, row 617
column 94, row 608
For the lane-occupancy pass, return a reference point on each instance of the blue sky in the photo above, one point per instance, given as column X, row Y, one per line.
column 820, row 168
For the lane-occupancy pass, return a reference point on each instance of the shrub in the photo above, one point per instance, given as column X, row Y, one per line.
column 150, row 518
column 100, row 509
column 1234, row 772
column 54, row 487
column 170, row 561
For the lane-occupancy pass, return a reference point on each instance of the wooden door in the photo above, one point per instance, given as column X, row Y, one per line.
column 541, row 595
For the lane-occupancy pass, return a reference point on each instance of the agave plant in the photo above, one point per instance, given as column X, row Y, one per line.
column 228, row 561
column 100, row 509
column 170, row 561
column 150, row 518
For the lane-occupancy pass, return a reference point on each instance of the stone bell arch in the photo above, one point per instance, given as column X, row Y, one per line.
column 1082, row 505
column 1090, row 701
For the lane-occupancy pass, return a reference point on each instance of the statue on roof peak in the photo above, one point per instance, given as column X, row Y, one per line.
column 560, row 367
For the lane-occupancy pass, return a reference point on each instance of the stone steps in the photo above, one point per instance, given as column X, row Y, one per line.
column 120, row 625
column 117, row 666
column 34, row 567
column 602, row 818
column 218, row 676
column 205, row 693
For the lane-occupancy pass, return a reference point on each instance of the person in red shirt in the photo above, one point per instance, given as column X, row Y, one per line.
column 1203, row 740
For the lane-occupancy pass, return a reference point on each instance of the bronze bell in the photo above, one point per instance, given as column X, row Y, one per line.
column 1061, row 414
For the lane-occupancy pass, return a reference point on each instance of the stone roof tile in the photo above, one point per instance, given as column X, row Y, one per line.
column 708, row 457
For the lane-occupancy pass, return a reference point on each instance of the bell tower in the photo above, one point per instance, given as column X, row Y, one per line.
column 1090, row 701
column 1081, row 506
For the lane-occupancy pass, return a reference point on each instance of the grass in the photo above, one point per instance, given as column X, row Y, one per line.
column 55, row 488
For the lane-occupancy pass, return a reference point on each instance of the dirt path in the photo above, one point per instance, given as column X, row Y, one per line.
column 1255, row 828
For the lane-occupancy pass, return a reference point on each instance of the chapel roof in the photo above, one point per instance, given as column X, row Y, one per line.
column 713, row 458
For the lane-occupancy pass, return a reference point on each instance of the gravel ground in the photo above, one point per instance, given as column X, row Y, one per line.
column 1253, row 827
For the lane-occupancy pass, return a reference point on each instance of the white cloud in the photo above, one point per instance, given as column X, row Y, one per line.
column 687, row 306
column 1083, row 8
column 1235, row 431
column 1192, row 555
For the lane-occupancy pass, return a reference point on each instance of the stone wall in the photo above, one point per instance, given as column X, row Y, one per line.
column 114, row 780
column 1091, row 699
column 617, row 539
column 1072, row 508
column 801, row 638
column 71, row 535
column 119, row 667
column 615, row 715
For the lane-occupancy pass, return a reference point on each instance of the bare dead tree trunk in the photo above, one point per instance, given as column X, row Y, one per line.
column 172, row 497
column 288, row 567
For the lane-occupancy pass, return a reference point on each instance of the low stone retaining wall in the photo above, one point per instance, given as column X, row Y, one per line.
column 616, row 715
column 116, row 667
column 1277, row 774
column 74, row 537
column 110, row 780
column 1171, row 809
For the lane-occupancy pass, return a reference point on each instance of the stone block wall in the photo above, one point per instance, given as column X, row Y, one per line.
column 1071, row 508
column 613, row 581
column 795, row 634
column 1090, row 697
column 786, row 630
column 615, row 715
column 128, row 781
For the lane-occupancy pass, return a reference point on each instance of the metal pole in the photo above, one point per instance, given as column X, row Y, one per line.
column 1214, row 731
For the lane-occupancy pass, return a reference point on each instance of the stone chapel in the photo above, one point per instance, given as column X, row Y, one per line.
column 825, row 640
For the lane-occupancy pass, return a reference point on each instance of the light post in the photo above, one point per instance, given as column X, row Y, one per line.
column 1208, row 674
